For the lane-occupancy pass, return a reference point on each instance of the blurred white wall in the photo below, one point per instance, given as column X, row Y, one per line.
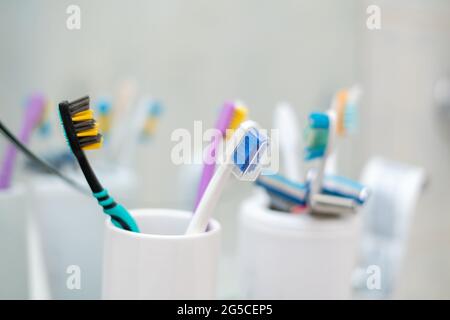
column 400, row 66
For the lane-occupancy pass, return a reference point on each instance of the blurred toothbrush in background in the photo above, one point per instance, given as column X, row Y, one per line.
column 34, row 115
column 121, row 114
column 345, row 105
column 319, row 136
column 143, row 119
column 230, row 118
column 285, row 121
column 104, row 108
column 345, row 188
column 45, row 126
column 285, row 194
column 156, row 109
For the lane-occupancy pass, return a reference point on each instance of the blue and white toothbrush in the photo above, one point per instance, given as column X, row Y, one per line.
column 244, row 156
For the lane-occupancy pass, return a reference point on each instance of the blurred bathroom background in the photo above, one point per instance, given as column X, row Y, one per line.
column 194, row 55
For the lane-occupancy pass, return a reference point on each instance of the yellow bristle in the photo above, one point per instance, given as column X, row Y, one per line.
column 239, row 116
column 94, row 146
column 150, row 126
column 341, row 101
column 87, row 133
column 83, row 116
column 105, row 123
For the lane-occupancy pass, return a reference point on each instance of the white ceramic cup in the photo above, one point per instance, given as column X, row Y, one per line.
column 288, row 256
column 14, row 279
column 70, row 226
column 160, row 262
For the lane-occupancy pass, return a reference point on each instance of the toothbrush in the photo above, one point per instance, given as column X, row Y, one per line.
column 284, row 188
column 285, row 122
column 153, row 116
column 345, row 106
column 331, row 205
column 39, row 161
column 347, row 112
column 243, row 157
column 319, row 138
column 104, row 118
column 44, row 126
column 145, row 109
column 122, row 107
column 81, row 132
column 345, row 188
column 294, row 193
column 230, row 118
column 35, row 108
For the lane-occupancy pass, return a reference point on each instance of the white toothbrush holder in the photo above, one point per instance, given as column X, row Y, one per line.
column 289, row 256
column 14, row 278
column 160, row 262
column 70, row 225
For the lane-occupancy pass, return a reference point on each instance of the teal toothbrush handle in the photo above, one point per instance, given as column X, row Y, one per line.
column 120, row 216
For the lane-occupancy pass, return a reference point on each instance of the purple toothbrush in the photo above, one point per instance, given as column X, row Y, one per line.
column 35, row 107
column 222, row 124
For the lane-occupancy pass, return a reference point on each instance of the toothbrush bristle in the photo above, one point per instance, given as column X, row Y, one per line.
column 246, row 156
column 80, row 128
column 351, row 118
column 346, row 113
column 79, row 105
column 239, row 115
column 316, row 136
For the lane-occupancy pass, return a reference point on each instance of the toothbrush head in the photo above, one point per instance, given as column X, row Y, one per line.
column 154, row 113
column 316, row 135
column 239, row 115
column 36, row 105
column 44, row 125
column 80, row 128
column 347, row 110
column 104, row 118
column 250, row 151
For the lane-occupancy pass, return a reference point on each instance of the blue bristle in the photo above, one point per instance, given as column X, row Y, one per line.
column 104, row 106
column 316, row 136
column 311, row 154
column 319, row 120
column 351, row 117
column 245, row 152
column 156, row 108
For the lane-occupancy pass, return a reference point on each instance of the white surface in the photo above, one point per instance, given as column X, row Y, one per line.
column 161, row 262
column 14, row 280
column 286, row 256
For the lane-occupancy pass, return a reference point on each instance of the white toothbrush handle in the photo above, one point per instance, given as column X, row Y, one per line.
column 331, row 165
column 316, row 187
column 209, row 200
column 126, row 151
